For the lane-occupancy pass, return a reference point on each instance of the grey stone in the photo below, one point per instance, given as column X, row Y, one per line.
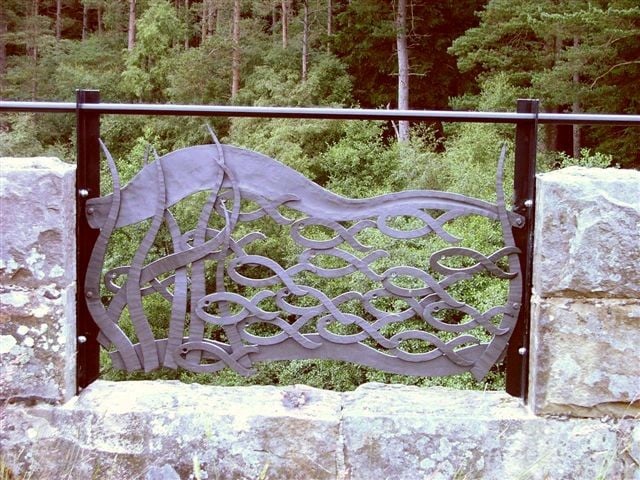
column 37, row 343
column 166, row 472
column 121, row 430
column 38, row 222
column 137, row 429
column 393, row 432
column 584, row 357
column 587, row 233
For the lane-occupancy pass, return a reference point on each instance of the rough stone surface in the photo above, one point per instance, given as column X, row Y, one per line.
column 37, row 279
column 585, row 346
column 165, row 472
column 128, row 429
column 587, row 240
column 160, row 430
column 393, row 432
column 584, row 357
column 37, row 214
column 37, row 343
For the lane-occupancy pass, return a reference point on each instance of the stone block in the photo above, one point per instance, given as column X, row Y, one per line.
column 37, row 214
column 584, row 357
column 393, row 432
column 37, row 343
column 587, row 233
column 137, row 429
column 169, row 430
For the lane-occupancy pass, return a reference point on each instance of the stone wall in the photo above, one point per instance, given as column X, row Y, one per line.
column 585, row 346
column 37, row 279
column 585, row 352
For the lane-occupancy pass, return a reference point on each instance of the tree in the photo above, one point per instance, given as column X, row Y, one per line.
column 364, row 36
column 575, row 56
column 3, row 45
column 305, row 39
column 209, row 19
column 58, row 20
column 235, row 59
column 403, row 67
column 131, row 32
column 158, row 30
column 285, row 23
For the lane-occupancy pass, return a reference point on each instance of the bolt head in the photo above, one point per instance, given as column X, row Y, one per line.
column 522, row 351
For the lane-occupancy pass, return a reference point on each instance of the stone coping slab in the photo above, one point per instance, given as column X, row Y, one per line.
column 170, row 430
column 587, row 230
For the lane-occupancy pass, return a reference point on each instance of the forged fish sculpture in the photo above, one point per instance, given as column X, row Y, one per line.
column 376, row 338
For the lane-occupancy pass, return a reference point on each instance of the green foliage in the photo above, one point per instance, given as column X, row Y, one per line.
column 366, row 41
column 277, row 81
column 360, row 164
column 18, row 137
column 147, row 65
column 587, row 159
column 573, row 55
column 576, row 56
column 209, row 82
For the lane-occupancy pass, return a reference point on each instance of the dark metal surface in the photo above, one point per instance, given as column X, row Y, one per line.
column 87, row 187
column 210, row 278
column 191, row 247
column 321, row 113
column 523, row 204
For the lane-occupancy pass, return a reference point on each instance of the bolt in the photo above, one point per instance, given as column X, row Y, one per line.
column 83, row 192
column 82, row 339
column 528, row 203
column 90, row 211
column 522, row 351
column 519, row 221
column 89, row 294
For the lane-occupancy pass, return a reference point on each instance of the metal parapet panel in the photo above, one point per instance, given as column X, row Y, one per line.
column 232, row 304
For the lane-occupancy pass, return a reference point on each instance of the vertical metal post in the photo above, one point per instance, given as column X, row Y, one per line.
column 87, row 186
column 524, row 203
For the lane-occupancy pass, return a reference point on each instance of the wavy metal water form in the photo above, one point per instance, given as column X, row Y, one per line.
column 210, row 280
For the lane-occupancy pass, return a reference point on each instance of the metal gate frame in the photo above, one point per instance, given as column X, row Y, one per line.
column 88, row 110
column 88, row 186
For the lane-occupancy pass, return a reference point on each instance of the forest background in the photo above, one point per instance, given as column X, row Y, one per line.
column 575, row 56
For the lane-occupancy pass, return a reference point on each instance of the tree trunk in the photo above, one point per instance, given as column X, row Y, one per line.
column 305, row 39
column 131, row 37
column 34, row 50
column 186, row 17
column 235, row 59
column 212, row 19
column 3, row 46
column 576, row 105
column 85, row 21
column 203, row 22
column 99, row 12
column 285, row 23
column 274, row 19
column 58, row 20
column 403, row 67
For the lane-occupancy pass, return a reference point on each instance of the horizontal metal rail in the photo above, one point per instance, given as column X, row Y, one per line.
column 320, row 113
